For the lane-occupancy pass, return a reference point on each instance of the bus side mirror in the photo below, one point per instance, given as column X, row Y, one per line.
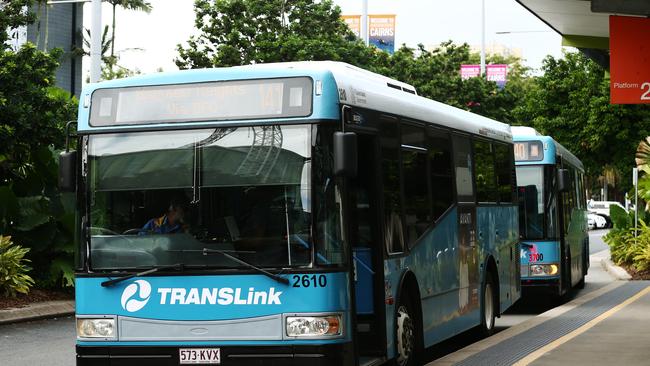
column 68, row 171
column 563, row 180
column 345, row 154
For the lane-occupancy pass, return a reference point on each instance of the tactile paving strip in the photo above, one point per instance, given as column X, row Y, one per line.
column 513, row 349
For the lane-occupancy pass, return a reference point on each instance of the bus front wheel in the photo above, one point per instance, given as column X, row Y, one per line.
column 406, row 334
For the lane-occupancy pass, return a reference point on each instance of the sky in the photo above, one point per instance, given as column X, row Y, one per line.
column 148, row 42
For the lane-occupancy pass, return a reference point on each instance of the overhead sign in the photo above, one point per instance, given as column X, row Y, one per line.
column 497, row 73
column 381, row 32
column 354, row 23
column 469, row 71
column 629, row 60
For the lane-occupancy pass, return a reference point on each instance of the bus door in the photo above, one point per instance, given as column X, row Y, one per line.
column 367, row 249
column 469, row 277
column 564, row 215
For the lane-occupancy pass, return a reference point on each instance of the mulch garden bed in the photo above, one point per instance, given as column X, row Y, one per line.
column 636, row 275
column 34, row 295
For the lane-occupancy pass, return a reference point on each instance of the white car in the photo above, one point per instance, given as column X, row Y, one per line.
column 602, row 207
column 595, row 221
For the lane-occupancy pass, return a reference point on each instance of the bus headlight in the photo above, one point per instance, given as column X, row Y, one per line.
column 313, row 326
column 543, row 269
column 96, row 328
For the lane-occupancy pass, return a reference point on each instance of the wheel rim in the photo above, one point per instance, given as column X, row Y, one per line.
column 489, row 307
column 405, row 336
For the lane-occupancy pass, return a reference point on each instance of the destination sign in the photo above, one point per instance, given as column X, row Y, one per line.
column 529, row 151
column 198, row 102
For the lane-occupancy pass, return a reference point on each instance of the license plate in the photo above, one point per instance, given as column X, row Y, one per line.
column 193, row 356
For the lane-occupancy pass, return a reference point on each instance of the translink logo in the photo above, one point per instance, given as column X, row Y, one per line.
column 218, row 296
column 137, row 294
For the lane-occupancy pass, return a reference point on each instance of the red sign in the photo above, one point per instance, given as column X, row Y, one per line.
column 629, row 44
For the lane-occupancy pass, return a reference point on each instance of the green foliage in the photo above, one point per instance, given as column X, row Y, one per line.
column 13, row 268
column 621, row 219
column 241, row 32
column 624, row 247
column 435, row 74
column 33, row 113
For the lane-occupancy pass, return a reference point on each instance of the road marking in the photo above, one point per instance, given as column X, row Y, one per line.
column 558, row 342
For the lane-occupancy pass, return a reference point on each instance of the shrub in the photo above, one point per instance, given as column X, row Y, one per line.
column 625, row 248
column 13, row 269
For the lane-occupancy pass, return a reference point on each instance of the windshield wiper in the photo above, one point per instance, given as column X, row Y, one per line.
column 108, row 283
column 207, row 251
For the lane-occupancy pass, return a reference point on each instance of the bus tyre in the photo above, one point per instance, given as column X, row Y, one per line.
column 406, row 335
column 488, row 306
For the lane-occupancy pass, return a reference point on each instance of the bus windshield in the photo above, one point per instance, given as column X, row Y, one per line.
column 530, row 182
column 159, row 198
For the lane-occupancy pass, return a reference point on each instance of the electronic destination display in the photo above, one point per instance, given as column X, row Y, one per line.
column 529, row 151
column 210, row 101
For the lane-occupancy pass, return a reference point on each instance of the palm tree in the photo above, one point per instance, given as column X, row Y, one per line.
column 139, row 5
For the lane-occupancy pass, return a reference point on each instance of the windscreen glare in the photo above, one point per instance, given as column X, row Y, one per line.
column 159, row 198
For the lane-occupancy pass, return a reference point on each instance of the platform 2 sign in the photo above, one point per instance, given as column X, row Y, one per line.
column 629, row 43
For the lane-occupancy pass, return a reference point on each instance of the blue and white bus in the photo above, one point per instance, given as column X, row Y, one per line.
column 553, row 213
column 299, row 213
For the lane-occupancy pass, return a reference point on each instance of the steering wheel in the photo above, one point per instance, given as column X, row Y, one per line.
column 133, row 231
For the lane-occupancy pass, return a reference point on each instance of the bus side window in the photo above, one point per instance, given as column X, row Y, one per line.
column 463, row 169
column 417, row 211
column 504, row 172
column 486, row 190
column 390, row 175
column 440, row 171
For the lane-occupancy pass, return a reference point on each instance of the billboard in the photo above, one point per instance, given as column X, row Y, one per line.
column 469, row 71
column 354, row 23
column 497, row 73
column 629, row 60
column 381, row 32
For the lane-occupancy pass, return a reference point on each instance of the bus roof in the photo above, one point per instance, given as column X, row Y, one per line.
column 341, row 82
column 552, row 148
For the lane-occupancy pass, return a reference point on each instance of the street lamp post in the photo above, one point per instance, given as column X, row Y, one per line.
column 96, row 41
column 482, row 37
column 364, row 21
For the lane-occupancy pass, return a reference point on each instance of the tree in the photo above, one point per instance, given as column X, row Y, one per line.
column 242, row 32
column 436, row 75
column 33, row 113
column 571, row 103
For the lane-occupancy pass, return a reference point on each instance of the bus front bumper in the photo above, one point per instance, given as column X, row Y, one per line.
column 328, row 354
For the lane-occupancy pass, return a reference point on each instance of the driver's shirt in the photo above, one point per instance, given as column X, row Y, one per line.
column 159, row 225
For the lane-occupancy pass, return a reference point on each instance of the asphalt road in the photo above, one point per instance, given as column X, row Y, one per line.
column 51, row 342
column 596, row 243
column 45, row 342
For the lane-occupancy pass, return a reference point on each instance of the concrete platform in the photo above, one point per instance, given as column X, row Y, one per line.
column 620, row 339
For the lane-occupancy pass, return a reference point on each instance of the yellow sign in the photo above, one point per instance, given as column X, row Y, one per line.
column 354, row 23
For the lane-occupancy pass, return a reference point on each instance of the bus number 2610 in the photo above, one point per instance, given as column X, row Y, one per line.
column 309, row 281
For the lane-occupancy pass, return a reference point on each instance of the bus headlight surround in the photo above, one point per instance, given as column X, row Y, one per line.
column 96, row 328
column 313, row 325
column 543, row 269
